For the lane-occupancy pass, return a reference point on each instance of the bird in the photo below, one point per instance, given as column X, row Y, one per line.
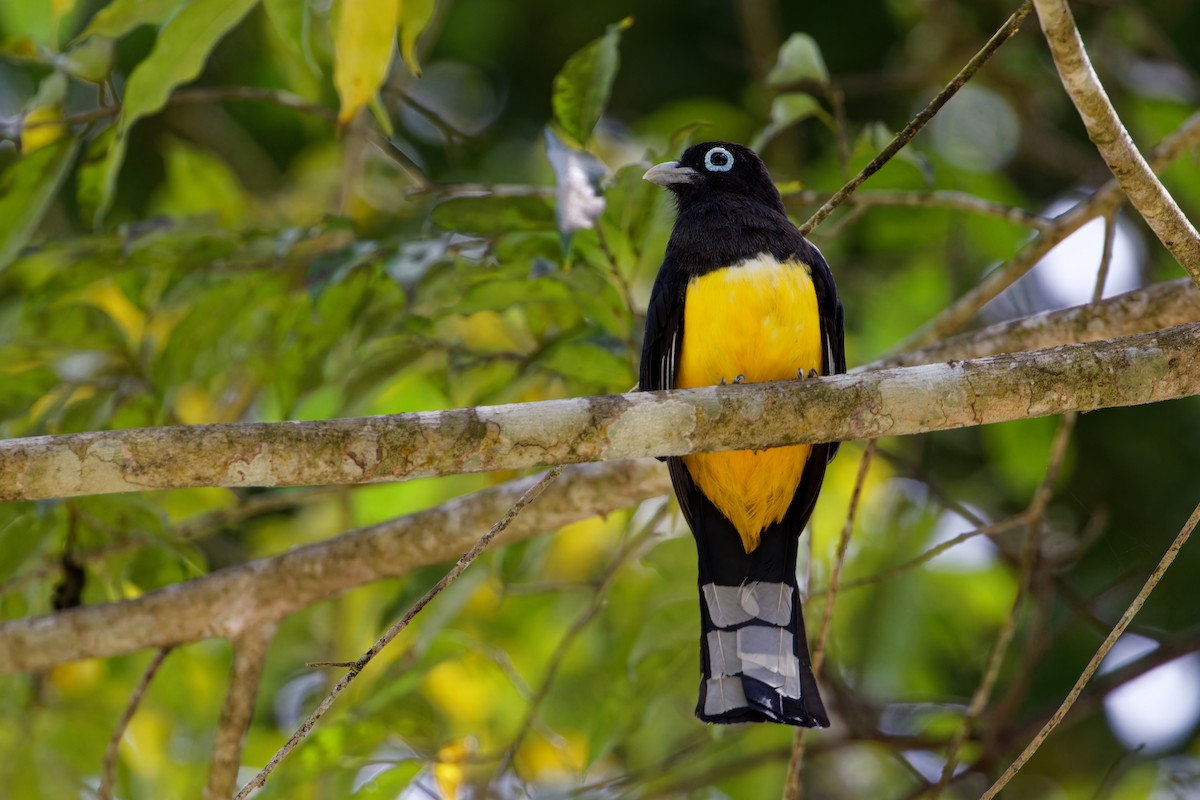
column 742, row 297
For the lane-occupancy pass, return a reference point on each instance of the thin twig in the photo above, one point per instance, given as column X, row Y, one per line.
column 1040, row 592
column 956, row 200
column 397, row 627
column 1110, row 234
column 1107, row 199
column 1007, row 31
column 1094, row 664
column 792, row 788
column 885, row 575
column 991, row 674
column 564, row 643
column 108, row 773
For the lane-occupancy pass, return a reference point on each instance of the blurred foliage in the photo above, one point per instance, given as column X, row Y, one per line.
column 218, row 210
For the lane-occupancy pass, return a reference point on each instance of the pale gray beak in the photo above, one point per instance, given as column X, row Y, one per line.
column 670, row 172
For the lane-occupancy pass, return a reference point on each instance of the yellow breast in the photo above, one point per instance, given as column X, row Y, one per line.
column 758, row 319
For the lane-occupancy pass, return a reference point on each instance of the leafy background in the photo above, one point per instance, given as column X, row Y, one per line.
column 224, row 210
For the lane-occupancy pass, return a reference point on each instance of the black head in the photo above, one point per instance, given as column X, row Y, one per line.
column 710, row 169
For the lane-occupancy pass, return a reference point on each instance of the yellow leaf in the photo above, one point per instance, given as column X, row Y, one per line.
column 42, row 126
column 543, row 759
column 461, row 690
column 414, row 18
column 364, row 33
column 78, row 678
column 144, row 746
column 448, row 771
column 60, row 9
column 108, row 297
column 579, row 548
column 193, row 405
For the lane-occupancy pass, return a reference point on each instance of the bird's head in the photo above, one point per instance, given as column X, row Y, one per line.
column 710, row 169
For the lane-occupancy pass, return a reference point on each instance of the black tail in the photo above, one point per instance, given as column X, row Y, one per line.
column 753, row 650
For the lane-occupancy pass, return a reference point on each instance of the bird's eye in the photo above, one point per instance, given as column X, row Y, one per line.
column 718, row 159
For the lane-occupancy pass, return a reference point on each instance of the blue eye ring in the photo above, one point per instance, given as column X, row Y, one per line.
column 718, row 165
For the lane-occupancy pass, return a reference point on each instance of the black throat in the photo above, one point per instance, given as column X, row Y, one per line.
column 723, row 231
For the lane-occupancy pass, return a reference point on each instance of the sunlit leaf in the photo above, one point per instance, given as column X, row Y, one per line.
column 581, row 88
column 178, row 57
column 363, row 38
column 800, row 59
column 26, row 189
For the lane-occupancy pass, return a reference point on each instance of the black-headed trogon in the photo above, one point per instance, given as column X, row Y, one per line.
column 742, row 296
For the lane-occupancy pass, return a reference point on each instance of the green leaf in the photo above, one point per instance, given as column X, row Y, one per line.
column 122, row 16
column 196, row 183
column 389, row 781
column 495, row 216
column 800, row 59
column 290, row 19
column 595, row 360
column 26, row 189
column 178, row 57
column 90, row 61
column 27, row 20
column 381, row 116
column 414, row 19
column 786, row 110
column 363, row 36
column 581, row 88
column 875, row 137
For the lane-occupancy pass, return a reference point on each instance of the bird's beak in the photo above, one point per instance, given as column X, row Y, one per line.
column 670, row 172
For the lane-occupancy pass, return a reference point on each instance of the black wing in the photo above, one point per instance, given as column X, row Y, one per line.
column 832, row 325
column 660, row 350
column 664, row 330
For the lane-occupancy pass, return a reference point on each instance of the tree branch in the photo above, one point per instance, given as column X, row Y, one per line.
column 1127, row 371
column 236, row 599
column 867, row 405
column 112, row 752
column 249, row 653
column 1161, row 305
column 1146, row 193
